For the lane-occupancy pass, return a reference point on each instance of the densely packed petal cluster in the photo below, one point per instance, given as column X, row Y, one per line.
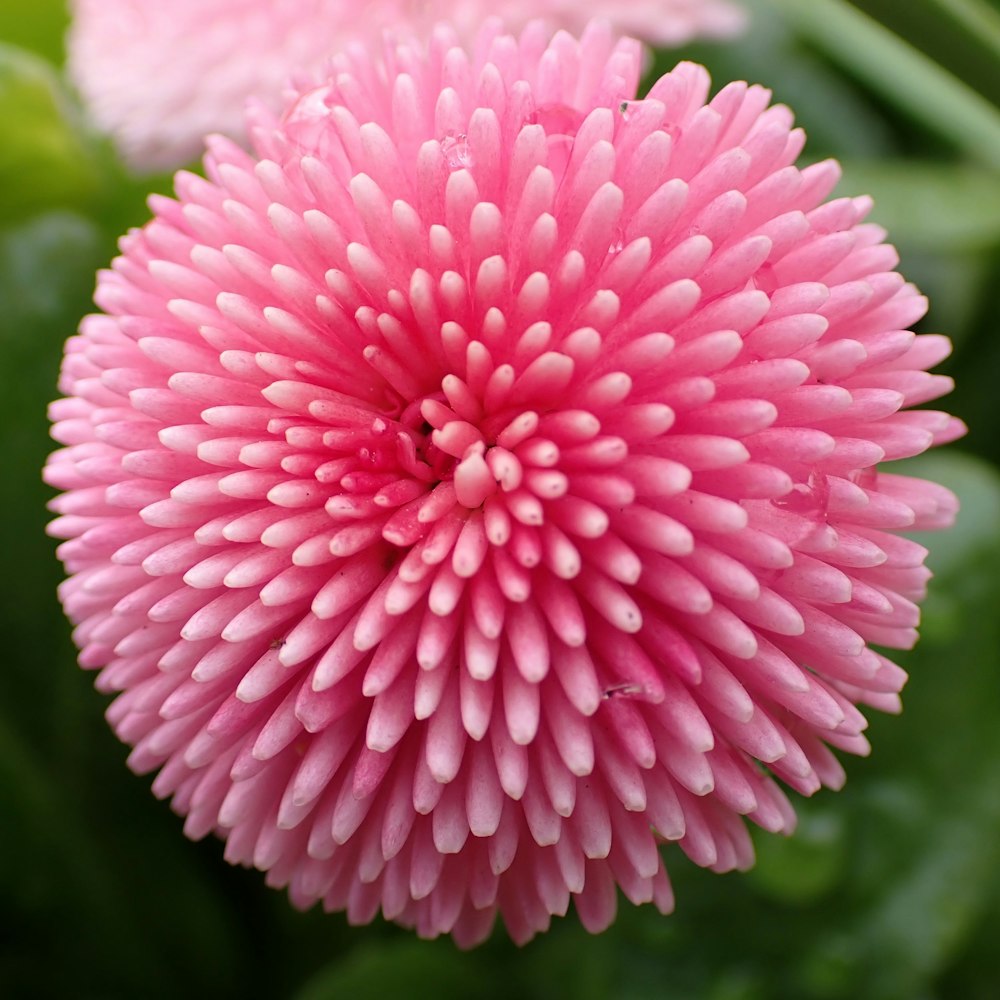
column 160, row 76
column 477, row 487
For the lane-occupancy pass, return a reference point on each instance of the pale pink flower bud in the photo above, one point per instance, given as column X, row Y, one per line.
column 158, row 75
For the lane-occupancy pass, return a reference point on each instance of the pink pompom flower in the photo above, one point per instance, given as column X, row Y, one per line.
column 160, row 76
column 477, row 486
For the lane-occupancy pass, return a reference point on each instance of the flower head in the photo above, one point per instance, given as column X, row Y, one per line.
column 477, row 485
column 160, row 76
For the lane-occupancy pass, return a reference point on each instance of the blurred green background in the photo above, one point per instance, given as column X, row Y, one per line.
column 890, row 889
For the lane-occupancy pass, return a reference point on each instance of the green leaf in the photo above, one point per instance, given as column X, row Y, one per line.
column 38, row 25
column 928, row 911
column 978, row 18
column 401, row 968
column 954, row 33
column 805, row 866
column 900, row 73
column 44, row 160
column 46, row 277
column 934, row 206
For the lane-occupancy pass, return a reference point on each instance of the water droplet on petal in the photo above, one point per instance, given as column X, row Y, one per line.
column 810, row 499
column 867, row 479
column 558, row 119
column 626, row 690
column 306, row 120
column 561, row 123
column 455, row 146
column 763, row 279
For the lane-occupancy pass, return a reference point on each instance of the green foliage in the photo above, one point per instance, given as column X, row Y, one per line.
column 900, row 73
column 890, row 890
column 391, row 969
column 929, row 205
column 40, row 141
column 36, row 25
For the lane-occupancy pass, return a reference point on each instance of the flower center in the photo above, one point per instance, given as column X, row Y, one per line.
column 473, row 480
column 453, row 449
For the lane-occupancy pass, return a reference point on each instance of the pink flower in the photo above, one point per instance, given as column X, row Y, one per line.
column 159, row 76
column 478, row 487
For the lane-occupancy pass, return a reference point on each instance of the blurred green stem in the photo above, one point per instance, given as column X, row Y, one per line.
column 902, row 74
column 978, row 18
